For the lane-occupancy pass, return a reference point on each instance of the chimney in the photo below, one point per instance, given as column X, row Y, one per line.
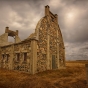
column 6, row 29
column 46, row 10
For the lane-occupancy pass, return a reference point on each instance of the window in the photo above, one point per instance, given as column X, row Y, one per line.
column 18, row 56
column 3, row 56
column 25, row 57
column 7, row 57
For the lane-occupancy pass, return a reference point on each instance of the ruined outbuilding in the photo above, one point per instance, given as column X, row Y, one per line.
column 42, row 50
column 4, row 37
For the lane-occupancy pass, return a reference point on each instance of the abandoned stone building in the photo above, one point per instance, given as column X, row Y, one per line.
column 42, row 50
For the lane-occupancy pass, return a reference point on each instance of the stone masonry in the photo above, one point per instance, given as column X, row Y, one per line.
column 42, row 50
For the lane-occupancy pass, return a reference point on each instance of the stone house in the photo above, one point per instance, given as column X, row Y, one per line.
column 42, row 50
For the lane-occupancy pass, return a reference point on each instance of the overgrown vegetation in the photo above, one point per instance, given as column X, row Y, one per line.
column 74, row 76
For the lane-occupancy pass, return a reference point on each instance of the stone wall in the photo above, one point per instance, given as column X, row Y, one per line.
column 41, row 47
column 16, row 56
column 50, row 42
column 53, row 41
column 17, row 39
column 22, row 54
column 6, row 57
column 42, row 50
column 61, row 50
column 4, row 39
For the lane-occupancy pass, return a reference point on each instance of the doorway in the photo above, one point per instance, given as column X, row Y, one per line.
column 53, row 62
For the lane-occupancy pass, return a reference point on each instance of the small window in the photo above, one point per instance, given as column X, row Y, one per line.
column 25, row 57
column 37, row 53
column 7, row 57
column 18, row 56
column 3, row 56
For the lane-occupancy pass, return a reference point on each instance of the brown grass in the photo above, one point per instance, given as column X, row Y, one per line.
column 74, row 76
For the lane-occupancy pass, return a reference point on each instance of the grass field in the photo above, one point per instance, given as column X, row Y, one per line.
column 74, row 76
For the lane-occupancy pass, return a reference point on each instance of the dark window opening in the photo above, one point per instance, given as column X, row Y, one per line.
column 3, row 56
column 25, row 57
column 7, row 57
column 18, row 56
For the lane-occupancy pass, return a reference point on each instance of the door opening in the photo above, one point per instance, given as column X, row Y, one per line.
column 53, row 62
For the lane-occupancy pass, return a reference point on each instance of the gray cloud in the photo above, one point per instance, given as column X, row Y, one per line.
column 23, row 15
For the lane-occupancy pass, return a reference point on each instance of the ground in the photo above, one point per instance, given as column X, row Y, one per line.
column 74, row 76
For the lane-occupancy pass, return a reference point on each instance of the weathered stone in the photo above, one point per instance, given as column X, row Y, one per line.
column 42, row 50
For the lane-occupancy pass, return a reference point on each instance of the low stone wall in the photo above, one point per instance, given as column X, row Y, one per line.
column 16, row 56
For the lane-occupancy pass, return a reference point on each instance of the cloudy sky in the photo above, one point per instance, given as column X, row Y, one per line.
column 23, row 15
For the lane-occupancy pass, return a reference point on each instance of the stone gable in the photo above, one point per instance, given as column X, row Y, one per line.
column 42, row 50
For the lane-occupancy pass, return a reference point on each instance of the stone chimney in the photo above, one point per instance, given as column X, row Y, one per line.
column 46, row 10
column 6, row 29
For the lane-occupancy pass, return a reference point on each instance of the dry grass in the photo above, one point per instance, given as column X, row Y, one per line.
column 74, row 76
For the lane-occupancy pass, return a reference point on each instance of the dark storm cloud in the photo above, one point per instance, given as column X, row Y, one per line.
column 22, row 15
column 77, row 30
column 74, row 29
